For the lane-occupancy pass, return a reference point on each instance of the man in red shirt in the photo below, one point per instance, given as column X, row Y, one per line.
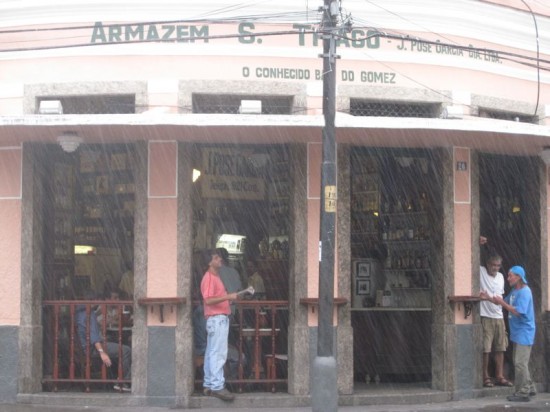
column 217, row 309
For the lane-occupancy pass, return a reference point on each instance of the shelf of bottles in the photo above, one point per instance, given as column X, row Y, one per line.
column 63, row 221
column 365, row 196
column 405, row 233
column 275, row 245
column 107, row 201
column 507, row 211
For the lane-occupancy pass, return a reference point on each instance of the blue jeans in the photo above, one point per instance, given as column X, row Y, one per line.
column 217, row 329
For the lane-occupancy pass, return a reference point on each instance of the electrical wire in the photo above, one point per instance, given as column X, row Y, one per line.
column 538, row 55
column 513, row 57
column 483, row 50
column 408, row 20
column 537, row 59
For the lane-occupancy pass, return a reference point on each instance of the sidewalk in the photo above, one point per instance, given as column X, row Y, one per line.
column 488, row 404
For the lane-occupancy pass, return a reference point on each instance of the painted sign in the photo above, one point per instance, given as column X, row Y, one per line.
column 232, row 174
column 304, row 35
column 230, row 187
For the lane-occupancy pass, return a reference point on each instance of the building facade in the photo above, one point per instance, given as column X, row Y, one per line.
column 109, row 115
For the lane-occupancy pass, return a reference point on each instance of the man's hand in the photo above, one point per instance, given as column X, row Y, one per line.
column 484, row 295
column 105, row 359
column 482, row 240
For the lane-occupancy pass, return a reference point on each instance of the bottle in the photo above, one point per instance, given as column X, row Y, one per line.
column 425, row 261
column 423, row 201
column 385, row 228
column 410, row 231
column 389, row 260
column 418, row 260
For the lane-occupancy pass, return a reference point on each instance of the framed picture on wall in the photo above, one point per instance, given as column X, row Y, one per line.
column 362, row 270
column 362, row 287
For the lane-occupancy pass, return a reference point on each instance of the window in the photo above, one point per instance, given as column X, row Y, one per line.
column 359, row 107
column 511, row 116
column 95, row 104
column 230, row 103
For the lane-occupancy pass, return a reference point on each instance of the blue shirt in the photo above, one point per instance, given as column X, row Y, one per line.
column 95, row 335
column 522, row 326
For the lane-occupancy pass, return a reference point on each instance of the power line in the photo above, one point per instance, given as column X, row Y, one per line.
column 503, row 55
column 538, row 60
column 302, row 31
column 538, row 54
column 484, row 50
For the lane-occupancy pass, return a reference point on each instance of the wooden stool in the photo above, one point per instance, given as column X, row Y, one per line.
column 271, row 362
column 198, row 362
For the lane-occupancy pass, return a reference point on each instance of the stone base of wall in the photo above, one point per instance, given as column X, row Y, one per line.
column 9, row 370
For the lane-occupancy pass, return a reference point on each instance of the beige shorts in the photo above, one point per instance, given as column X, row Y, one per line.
column 494, row 335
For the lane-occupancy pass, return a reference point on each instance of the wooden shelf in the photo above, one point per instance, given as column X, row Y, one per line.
column 466, row 300
column 314, row 302
column 152, row 302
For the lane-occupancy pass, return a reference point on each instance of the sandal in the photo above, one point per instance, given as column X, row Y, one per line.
column 488, row 383
column 504, row 382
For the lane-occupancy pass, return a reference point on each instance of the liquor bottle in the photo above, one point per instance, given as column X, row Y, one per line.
column 410, row 231
column 385, row 228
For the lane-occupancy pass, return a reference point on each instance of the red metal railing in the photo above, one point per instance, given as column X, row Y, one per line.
column 66, row 359
column 260, row 330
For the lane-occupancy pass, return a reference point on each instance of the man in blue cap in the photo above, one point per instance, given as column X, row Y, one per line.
column 519, row 304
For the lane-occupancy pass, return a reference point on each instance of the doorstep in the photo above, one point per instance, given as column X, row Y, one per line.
column 382, row 394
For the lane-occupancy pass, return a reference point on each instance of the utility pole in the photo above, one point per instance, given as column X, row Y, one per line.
column 324, row 393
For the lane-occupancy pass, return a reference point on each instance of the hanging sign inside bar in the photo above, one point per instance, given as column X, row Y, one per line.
column 231, row 187
column 233, row 174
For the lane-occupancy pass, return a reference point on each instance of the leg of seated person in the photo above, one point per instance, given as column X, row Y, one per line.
column 112, row 351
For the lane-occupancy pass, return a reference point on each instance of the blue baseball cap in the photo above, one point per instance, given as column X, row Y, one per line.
column 518, row 270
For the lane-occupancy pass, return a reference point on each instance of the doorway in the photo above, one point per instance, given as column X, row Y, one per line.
column 395, row 210
column 510, row 213
column 88, row 250
column 241, row 203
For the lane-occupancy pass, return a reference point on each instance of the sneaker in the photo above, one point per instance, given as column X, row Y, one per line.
column 532, row 393
column 207, row 391
column 222, row 394
column 518, row 398
column 122, row 388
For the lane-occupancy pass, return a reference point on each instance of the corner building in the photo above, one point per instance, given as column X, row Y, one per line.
column 134, row 135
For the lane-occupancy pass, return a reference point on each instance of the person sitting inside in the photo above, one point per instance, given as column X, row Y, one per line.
column 255, row 280
column 107, row 351
column 126, row 284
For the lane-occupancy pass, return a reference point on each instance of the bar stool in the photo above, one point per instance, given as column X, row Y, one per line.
column 271, row 362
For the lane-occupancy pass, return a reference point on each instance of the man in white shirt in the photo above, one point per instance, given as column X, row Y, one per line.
column 492, row 321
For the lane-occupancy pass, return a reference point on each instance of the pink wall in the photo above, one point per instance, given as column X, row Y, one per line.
column 314, row 160
column 462, row 229
column 10, row 241
column 314, row 155
column 162, row 227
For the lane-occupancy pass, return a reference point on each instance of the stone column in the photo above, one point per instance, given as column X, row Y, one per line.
column 298, row 333
column 162, row 269
column 344, row 331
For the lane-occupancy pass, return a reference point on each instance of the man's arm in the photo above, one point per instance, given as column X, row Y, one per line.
column 218, row 299
column 498, row 300
column 95, row 339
